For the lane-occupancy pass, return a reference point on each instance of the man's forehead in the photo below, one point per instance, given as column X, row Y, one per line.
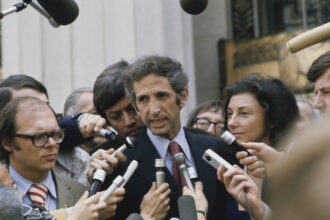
column 323, row 81
column 122, row 104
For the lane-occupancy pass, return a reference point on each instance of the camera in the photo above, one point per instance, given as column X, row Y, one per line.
column 36, row 212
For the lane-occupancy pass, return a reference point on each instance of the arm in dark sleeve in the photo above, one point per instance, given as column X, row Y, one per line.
column 72, row 136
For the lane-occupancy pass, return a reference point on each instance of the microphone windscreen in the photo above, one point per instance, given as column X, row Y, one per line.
column 193, row 7
column 187, row 208
column 309, row 38
column 62, row 11
column 134, row 216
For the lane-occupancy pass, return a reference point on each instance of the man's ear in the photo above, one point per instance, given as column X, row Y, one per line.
column 184, row 97
column 7, row 144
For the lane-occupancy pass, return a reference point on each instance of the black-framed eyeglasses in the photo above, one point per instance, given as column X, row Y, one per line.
column 40, row 139
column 203, row 123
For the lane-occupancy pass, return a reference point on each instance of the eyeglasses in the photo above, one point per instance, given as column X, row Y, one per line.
column 40, row 139
column 204, row 124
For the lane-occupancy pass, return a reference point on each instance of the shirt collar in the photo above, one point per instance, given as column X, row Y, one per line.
column 161, row 143
column 24, row 184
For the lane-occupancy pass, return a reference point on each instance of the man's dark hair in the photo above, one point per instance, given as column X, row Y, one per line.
column 6, row 94
column 109, row 87
column 318, row 67
column 23, row 81
column 211, row 105
column 163, row 66
column 274, row 96
column 8, row 120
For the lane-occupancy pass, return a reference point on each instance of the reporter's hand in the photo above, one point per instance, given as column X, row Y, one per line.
column 155, row 204
column 111, row 203
column 103, row 159
column 263, row 161
column 86, row 208
column 237, row 183
column 199, row 197
column 90, row 124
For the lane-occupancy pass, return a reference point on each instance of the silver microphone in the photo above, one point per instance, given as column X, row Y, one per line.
column 160, row 174
column 180, row 160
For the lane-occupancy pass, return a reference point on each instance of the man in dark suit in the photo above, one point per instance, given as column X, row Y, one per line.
column 158, row 87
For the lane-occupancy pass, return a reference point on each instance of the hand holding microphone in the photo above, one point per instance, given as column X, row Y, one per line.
column 155, row 204
column 188, row 210
column 180, row 160
column 120, row 181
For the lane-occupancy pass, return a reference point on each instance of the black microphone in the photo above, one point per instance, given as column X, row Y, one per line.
column 187, row 208
column 99, row 175
column 193, row 7
column 235, row 147
column 62, row 11
column 98, row 179
column 111, row 135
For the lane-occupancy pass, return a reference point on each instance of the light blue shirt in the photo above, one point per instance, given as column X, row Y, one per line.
column 161, row 145
column 24, row 185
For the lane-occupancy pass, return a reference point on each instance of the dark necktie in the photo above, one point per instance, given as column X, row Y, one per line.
column 174, row 148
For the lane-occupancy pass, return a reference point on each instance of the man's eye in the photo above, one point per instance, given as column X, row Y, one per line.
column 115, row 117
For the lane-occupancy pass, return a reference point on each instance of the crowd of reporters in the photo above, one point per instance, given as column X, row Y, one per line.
column 143, row 100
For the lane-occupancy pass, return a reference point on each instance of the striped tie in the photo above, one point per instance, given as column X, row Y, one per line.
column 174, row 148
column 38, row 194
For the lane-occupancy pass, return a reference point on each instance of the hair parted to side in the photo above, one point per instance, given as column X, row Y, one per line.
column 21, row 81
column 162, row 66
column 109, row 87
column 8, row 118
column 274, row 96
column 71, row 105
column 318, row 67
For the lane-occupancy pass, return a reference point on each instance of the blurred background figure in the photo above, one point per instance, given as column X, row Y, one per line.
column 80, row 101
column 306, row 111
column 300, row 187
column 10, row 204
column 208, row 116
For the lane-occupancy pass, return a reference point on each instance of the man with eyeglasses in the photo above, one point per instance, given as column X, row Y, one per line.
column 30, row 138
column 208, row 117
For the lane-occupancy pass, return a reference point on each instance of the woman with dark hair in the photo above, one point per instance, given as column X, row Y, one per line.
column 260, row 109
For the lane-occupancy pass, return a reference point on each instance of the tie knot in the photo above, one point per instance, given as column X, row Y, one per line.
column 38, row 194
column 174, row 148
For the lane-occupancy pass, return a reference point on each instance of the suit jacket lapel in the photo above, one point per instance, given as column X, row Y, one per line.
column 64, row 197
column 206, row 173
column 145, row 153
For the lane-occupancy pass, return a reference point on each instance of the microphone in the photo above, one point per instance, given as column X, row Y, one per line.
column 193, row 175
column 180, row 160
column 187, row 208
column 99, row 175
column 98, row 179
column 160, row 174
column 37, row 7
column 64, row 12
column 111, row 135
column 309, row 38
column 230, row 139
column 119, row 181
column 193, row 7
